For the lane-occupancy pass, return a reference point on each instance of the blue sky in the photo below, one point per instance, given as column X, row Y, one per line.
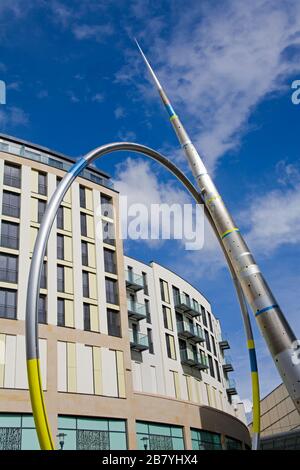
column 75, row 80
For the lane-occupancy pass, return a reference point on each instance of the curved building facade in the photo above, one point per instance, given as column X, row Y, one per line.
column 132, row 356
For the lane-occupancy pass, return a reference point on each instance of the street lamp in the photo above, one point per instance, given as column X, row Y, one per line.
column 61, row 439
column 145, row 441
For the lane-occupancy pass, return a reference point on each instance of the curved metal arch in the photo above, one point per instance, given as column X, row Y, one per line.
column 32, row 347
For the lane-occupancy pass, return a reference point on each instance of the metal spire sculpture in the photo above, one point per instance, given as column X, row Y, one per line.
column 271, row 321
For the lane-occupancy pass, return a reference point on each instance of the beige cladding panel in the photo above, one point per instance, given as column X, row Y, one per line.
column 93, row 286
column 97, row 369
column 68, row 280
column 68, row 250
column 33, row 235
column 89, row 199
column 90, row 226
column 34, row 209
column 94, row 317
column 34, row 181
column 71, row 367
column 91, row 255
column 67, row 219
column 121, row 374
column 69, row 313
column 62, row 366
column 10, row 361
column 2, row 359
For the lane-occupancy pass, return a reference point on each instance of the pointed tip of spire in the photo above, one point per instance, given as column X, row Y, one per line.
column 148, row 65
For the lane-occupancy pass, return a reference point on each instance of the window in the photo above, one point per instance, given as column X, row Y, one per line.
column 113, row 322
column 167, row 316
column 41, row 210
column 11, row 204
column 108, row 233
column 60, row 247
column 109, row 261
column 60, row 279
column 83, row 224
column 42, row 310
column 82, row 197
column 84, row 254
column 148, row 313
column 60, row 218
column 158, row 436
column 42, row 183
column 44, row 276
column 210, row 322
column 170, row 346
column 8, row 268
column 164, row 291
column 12, row 175
column 211, row 365
column 86, row 317
column 145, row 284
column 85, row 284
column 213, row 345
column 9, row 235
column 111, row 288
column 203, row 314
column 60, row 312
column 176, row 295
column 107, row 206
column 8, row 303
column 218, row 371
column 150, row 341
column 233, row 444
column 205, row 440
column 208, row 347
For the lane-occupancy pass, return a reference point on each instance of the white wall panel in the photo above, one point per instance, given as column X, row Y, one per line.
column 62, row 366
column 10, row 362
column 84, row 358
column 109, row 371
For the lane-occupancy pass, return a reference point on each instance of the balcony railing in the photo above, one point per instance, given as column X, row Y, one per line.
column 134, row 282
column 227, row 364
column 138, row 341
column 224, row 344
column 193, row 359
column 231, row 387
column 136, row 311
column 55, row 162
column 188, row 331
column 184, row 304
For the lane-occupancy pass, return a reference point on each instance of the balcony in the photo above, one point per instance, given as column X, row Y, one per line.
column 231, row 387
column 134, row 282
column 136, row 311
column 138, row 342
column 192, row 359
column 227, row 364
column 224, row 344
column 192, row 332
column 184, row 305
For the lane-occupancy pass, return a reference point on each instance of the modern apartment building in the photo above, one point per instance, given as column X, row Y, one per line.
column 131, row 355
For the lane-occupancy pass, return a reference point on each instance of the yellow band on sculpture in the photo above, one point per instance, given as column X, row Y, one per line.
column 38, row 405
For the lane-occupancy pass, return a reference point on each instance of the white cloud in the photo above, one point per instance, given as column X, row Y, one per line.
column 98, row 97
column 12, row 116
column 119, row 112
column 220, row 60
column 42, row 94
column 16, row 86
column 127, row 135
column 273, row 219
column 73, row 98
column 96, row 32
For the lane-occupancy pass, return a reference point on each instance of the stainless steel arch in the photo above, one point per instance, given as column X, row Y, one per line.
column 32, row 349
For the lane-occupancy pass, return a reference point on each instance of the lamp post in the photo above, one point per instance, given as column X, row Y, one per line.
column 61, row 439
column 31, row 332
column 145, row 441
